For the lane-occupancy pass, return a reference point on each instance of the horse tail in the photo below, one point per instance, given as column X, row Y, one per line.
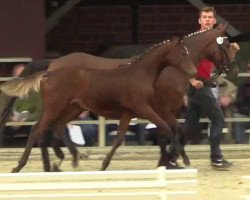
column 21, row 87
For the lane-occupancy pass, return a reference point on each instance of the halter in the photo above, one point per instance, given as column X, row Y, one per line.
column 224, row 68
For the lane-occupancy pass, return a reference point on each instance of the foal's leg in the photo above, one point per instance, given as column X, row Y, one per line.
column 51, row 111
column 162, row 141
column 122, row 128
column 43, row 143
column 175, row 139
column 180, row 137
column 171, row 134
column 4, row 116
column 36, row 132
column 67, row 114
column 55, row 144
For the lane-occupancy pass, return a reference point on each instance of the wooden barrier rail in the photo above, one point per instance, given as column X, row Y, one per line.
column 101, row 122
column 129, row 184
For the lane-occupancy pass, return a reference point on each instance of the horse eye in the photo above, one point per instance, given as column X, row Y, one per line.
column 184, row 53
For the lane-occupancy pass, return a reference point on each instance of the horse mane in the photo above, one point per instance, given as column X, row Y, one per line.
column 138, row 57
column 173, row 39
column 196, row 33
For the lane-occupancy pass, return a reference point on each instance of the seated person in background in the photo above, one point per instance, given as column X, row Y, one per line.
column 28, row 109
column 225, row 93
column 243, row 106
column 90, row 131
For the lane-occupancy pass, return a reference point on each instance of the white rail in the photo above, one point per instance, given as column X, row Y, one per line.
column 132, row 184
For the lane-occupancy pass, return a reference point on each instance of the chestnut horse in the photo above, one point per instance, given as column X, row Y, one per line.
column 120, row 93
column 173, row 74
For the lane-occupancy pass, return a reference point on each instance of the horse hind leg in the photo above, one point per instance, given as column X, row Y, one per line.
column 122, row 128
column 4, row 116
column 68, row 113
column 58, row 152
column 32, row 139
column 43, row 143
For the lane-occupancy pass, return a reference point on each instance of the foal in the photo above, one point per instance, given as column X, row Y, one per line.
column 121, row 93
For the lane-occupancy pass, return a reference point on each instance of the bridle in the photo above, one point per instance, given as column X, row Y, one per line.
column 225, row 67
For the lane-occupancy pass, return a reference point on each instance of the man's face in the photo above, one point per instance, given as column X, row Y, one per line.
column 207, row 20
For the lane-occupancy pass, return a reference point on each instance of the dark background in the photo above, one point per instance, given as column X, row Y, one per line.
column 93, row 26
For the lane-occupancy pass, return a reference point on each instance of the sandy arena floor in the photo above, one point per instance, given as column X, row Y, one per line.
column 212, row 184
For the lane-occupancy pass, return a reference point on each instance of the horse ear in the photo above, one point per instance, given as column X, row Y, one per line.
column 219, row 27
column 222, row 28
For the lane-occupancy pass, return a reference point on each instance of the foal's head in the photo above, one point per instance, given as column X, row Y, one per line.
column 167, row 53
column 179, row 57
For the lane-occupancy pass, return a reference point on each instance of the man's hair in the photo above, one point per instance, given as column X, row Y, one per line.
column 208, row 9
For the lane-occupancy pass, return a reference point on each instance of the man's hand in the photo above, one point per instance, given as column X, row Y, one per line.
column 185, row 100
column 225, row 101
column 235, row 47
column 197, row 84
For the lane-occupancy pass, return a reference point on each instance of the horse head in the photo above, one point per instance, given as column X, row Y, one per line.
column 179, row 57
column 213, row 45
column 224, row 54
column 167, row 53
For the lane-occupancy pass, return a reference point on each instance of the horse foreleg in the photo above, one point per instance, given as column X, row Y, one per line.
column 164, row 120
column 180, row 139
column 58, row 152
column 122, row 128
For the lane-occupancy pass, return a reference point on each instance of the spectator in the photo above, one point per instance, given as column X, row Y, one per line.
column 90, row 131
column 243, row 106
column 225, row 92
column 24, row 109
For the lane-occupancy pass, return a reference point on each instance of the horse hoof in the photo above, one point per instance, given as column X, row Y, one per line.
column 55, row 168
column 83, row 155
column 173, row 165
column 47, row 169
column 186, row 162
column 105, row 164
column 14, row 170
column 75, row 163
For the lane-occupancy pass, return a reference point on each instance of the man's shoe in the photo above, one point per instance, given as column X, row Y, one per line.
column 221, row 164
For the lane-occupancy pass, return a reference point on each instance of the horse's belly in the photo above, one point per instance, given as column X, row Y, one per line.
column 112, row 114
column 107, row 109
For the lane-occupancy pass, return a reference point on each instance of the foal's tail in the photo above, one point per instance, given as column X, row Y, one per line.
column 21, row 87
